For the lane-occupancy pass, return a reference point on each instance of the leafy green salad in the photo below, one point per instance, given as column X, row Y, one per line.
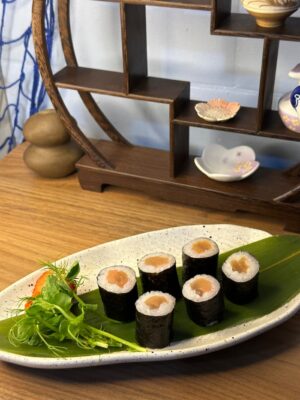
column 49, row 319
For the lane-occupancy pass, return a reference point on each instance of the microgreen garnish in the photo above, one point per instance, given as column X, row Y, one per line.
column 48, row 320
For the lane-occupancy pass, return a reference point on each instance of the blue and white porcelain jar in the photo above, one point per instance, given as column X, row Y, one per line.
column 289, row 104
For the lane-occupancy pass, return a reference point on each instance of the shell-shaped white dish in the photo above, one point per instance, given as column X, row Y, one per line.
column 227, row 165
column 127, row 251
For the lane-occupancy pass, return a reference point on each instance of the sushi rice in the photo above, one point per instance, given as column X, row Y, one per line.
column 240, row 267
column 117, row 279
column 165, row 302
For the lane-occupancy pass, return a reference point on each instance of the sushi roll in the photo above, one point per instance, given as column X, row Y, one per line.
column 240, row 277
column 200, row 256
column 203, row 299
column 154, row 319
column 158, row 272
column 118, row 290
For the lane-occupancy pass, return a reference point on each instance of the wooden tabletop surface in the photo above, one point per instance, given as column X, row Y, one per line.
column 49, row 219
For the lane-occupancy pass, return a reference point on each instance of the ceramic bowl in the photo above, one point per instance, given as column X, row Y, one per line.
column 270, row 13
column 289, row 104
column 227, row 165
column 217, row 110
column 288, row 114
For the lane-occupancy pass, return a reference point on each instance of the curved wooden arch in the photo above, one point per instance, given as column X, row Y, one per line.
column 71, row 60
column 38, row 31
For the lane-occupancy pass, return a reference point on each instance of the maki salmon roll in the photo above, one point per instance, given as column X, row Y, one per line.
column 203, row 299
column 154, row 319
column 118, row 290
column 240, row 277
column 158, row 272
column 200, row 256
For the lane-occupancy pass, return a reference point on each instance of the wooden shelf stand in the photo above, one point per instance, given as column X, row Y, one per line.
column 172, row 175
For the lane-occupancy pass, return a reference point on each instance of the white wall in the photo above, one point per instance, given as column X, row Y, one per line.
column 179, row 47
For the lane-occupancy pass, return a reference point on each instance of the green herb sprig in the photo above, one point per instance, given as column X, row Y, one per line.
column 50, row 321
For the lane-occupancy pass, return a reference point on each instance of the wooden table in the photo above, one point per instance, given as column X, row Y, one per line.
column 48, row 219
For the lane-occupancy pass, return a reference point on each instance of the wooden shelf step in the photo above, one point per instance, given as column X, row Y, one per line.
column 189, row 4
column 245, row 25
column 158, row 90
column 244, row 122
column 146, row 170
column 90, row 80
column 274, row 128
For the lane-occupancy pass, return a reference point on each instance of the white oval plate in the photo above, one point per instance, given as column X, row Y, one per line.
column 127, row 251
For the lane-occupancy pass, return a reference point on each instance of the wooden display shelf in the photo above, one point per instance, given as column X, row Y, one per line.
column 147, row 170
column 189, row 4
column 244, row 25
column 112, row 83
column 172, row 175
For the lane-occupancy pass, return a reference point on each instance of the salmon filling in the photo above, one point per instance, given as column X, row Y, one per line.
column 240, row 265
column 201, row 246
column 201, row 286
column 115, row 277
column 154, row 302
column 156, row 261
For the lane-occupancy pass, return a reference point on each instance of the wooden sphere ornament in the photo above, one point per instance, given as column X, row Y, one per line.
column 52, row 153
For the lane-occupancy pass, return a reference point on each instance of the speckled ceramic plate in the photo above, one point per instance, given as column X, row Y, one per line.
column 127, row 251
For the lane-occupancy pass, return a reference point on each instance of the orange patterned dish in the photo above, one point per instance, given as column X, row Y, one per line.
column 217, row 110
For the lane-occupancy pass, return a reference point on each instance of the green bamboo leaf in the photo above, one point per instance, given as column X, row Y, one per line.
column 279, row 282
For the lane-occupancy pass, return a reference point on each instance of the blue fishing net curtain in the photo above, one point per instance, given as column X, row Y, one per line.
column 21, row 90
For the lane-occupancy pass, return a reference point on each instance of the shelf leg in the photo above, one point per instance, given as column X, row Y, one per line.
column 179, row 151
column 220, row 10
column 134, row 44
column 90, row 181
column 267, row 79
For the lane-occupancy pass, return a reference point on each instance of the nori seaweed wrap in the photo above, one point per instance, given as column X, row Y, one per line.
column 200, row 256
column 118, row 290
column 158, row 272
column 240, row 277
column 204, row 300
column 154, row 319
